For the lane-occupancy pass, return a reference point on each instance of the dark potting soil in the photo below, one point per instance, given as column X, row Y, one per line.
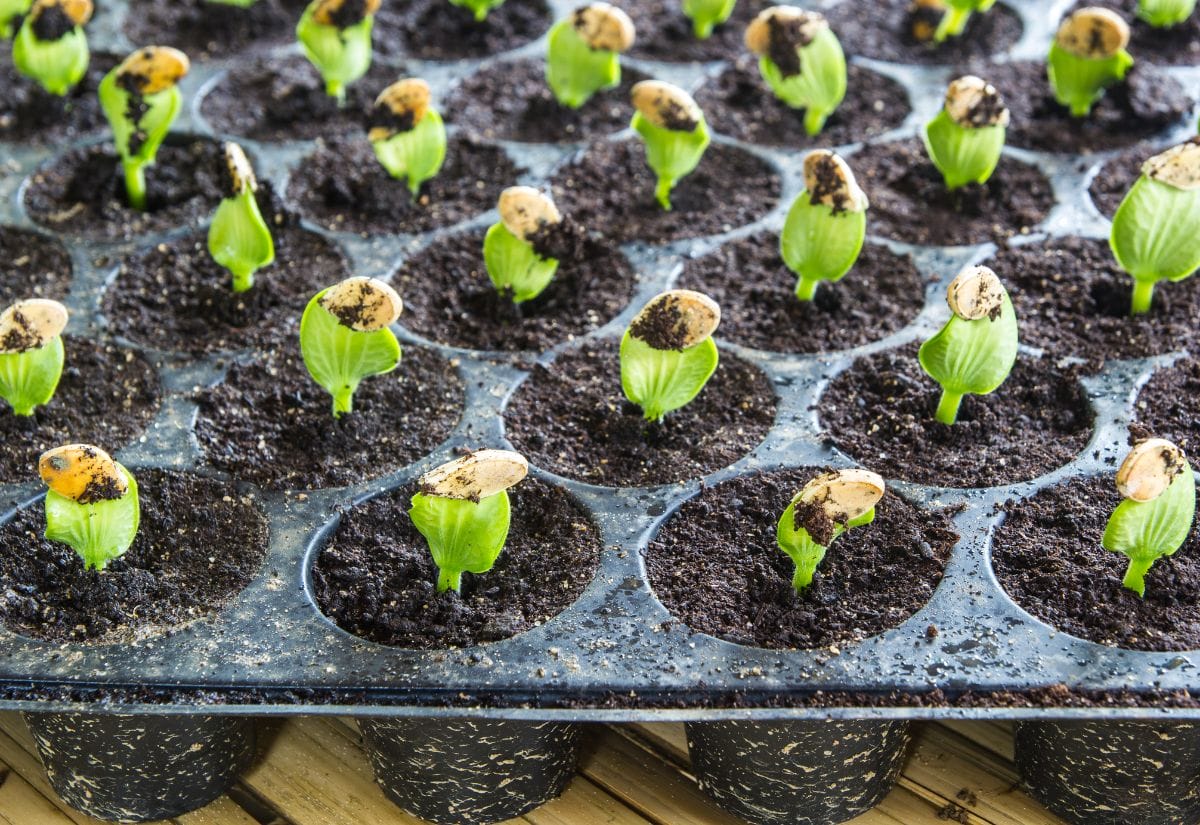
column 910, row 202
column 738, row 103
column 270, row 424
column 1072, row 299
column 83, row 191
column 716, row 566
column 572, row 418
column 28, row 113
column 610, row 190
column 199, row 543
column 1177, row 45
column 511, row 101
column 885, row 33
column 175, row 297
column 759, row 307
column 1047, row 556
column 450, row 299
column 1114, row 179
column 343, row 187
column 880, row 411
column 35, row 266
column 376, row 577
column 664, row 33
column 1168, row 406
column 204, row 29
column 438, row 30
column 106, row 396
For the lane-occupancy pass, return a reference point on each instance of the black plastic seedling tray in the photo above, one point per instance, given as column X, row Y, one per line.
column 616, row 654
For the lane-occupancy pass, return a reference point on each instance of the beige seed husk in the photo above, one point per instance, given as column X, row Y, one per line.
column 829, row 180
column 844, row 495
column 1094, row 33
column 975, row 293
column 31, row 324
column 410, row 96
column 665, row 105
column 363, row 304
column 77, row 11
column 326, row 10
column 153, row 69
column 1149, row 469
column 758, row 33
column 524, row 210
column 699, row 315
column 241, row 173
column 972, row 103
column 82, row 473
column 1178, row 166
column 604, row 27
column 475, row 476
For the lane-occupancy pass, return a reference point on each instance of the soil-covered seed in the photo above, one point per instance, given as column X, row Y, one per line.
column 28, row 113
column 203, row 29
column 885, row 32
column 35, row 266
column 1178, row 45
column 437, row 30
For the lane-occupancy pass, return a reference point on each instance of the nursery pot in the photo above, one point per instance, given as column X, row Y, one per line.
column 138, row 768
column 1113, row 773
column 470, row 770
column 798, row 773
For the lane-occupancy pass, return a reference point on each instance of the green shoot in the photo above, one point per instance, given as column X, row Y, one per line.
column 976, row 349
column 1159, row 503
column 31, row 353
column 510, row 248
column 407, row 134
column 92, row 503
column 958, row 14
column 706, row 15
column 335, row 36
column 238, row 237
column 966, row 137
column 1156, row 230
column 479, row 8
column 1087, row 56
column 828, row 506
column 1163, row 14
column 344, row 337
column 583, row 53
column 463, row 512
column 50, row 47
column 826, row 226
column 674, row 131
column 667, row 354
column 801, row 60
column 141, row 100
column 10, row 10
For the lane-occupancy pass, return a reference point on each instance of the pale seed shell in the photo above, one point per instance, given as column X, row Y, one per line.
column 1094, row 33
column 78, row 12
column 666, row 105
column 1149, row 469
column 326, row 11
column 241, row 173
column 696, row 318
column 363, row 304
column 153, row 69
column 82, row 473
column 1178, row 166
column 405, row 99
column 524, row 210
column 973, row 103
column 604, row 27
column 475, row 476
column 975, row 293
column 31, row 324
column 844, row 495
column 758, row 33
column 829, row 180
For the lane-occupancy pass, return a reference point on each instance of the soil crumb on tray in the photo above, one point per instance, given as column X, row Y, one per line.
column 28, row 113
column 1120, row 172
column 717, row 567
column 376, row 577
column 199, row 544
column 885, row 31
column 664, row 33
column 437, row 30
column 1168, row 406
column 204, row 29
column 1178, row 45
column 35, row 266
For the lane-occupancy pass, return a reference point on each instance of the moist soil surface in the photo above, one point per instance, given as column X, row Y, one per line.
column 1112, row 182
column 664, row 33
column 83, row 191
column 1072, row 299
column 106, row 396
column 1177, row 45
column 35, row 266
column 881, row 412
column 450, row 299
column 437, row 30
column 270, row 424
column 717, row 567
column 572, row 418
column 376, row 577
column 343, row 187
column 1047, row 556
column 610, row 190
column 759, row 307
column 204, row 29
column 1168, row 406
column 738, row 103
column 885, row 32
column 511, row 101
column 175, row 297
column 28, row 113
column 910, row 202
column 199, row 544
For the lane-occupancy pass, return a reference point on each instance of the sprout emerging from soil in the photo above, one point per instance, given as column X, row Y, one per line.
column 463, row 512
column 826, row 226
column 957, row 15
column 238, row 237
column 1087, row 56
column 667, row 354
column 706, row 15
column 674, row 131
column 828, row 506
column 479, row 8
column 50, row 47
column 344, row 337
column 1163, row 14
column 583, row 52
column 1156, row 230
column 10, row 10
column 336, row 38
column 92, row 503
column 31, row 353
column 141, row 100
column 966, row 137
column 976, row 349
column 1155, row 517
column 801, row 60
column 511, row 247
column 408, row 134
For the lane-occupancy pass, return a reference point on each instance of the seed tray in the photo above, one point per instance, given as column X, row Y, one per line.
column 616, row 654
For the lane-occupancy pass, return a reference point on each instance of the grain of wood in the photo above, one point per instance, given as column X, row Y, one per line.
column 996, row 737
column 22, row 804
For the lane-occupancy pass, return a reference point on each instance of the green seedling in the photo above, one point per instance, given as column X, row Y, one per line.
column 674, row 132
column 976, row 349
column 479, row 8
column 514, row 250
column 1163, row 14
column 1155, row 516
column 407, row 134
column 141, row 100
column 31, row 353
column 706, row 15
column 583, row 52
column 964, row 140
column 335, row 36
column 50, row 47
column 667, row 354
column 92, row 504
column 1087, row 56
column 828, row 506
column 10, row 10
column 802, row 61
column 957, row 15
column 826, row 226
column 238, row 237
column 1156, row 230
column 463, row 512
column 344, row 337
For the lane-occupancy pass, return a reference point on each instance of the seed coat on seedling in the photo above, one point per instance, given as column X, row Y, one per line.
column 92, row 503
column 238, row 237
column 31, row 353
column 1087, row 56
column 673, row 130
column 510, row 248
column 335, row 36
column 583, row 52
column 826, row 225
column 802, row 61
column 965, row 139
column 407, row 133
column 51, row 47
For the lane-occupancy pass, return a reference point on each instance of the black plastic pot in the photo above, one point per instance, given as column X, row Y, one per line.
column 139, row 768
